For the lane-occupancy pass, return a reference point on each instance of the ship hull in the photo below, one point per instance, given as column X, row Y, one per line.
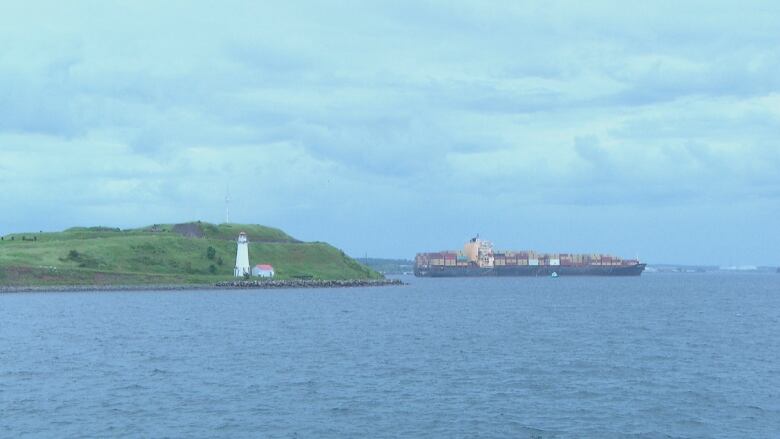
column 532, row 271
column 440, row 271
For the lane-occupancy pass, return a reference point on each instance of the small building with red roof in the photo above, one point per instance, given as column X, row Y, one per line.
column 263, row 270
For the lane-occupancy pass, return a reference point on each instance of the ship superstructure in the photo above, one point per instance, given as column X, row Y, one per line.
column 478, row 258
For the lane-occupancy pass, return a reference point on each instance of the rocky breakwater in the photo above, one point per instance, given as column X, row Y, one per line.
column 308, row 283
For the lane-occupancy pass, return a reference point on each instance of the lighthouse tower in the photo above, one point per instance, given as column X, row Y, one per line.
column 242, row 257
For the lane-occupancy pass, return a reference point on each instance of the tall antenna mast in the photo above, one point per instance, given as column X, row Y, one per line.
column 227, row 205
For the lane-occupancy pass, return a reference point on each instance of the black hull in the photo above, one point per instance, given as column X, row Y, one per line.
column 532, row 271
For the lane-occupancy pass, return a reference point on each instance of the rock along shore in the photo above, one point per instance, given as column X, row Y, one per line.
column 300, row 283
column 226, row 285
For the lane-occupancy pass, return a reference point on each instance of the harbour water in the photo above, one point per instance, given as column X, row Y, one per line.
column 657, row 356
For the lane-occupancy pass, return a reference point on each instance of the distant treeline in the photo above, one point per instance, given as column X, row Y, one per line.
column 388, row 266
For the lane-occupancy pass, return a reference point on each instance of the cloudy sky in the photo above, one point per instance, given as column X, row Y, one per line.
column 388, row 128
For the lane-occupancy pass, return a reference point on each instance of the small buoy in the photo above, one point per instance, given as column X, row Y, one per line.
column 554, row 274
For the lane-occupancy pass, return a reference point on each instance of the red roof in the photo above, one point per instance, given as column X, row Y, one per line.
column 264, row 267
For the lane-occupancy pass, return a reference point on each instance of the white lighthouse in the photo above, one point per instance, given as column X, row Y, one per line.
column 242, row 257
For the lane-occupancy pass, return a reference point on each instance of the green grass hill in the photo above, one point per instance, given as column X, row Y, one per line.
column 189, row 253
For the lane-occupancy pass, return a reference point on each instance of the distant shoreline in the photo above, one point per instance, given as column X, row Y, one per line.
column 227, row 285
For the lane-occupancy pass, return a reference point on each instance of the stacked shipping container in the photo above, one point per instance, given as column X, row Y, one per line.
column 451, row 259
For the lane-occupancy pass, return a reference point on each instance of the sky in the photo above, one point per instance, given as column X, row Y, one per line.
column 386, row 128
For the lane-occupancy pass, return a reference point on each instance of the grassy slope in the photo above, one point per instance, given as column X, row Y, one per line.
column 160, row 255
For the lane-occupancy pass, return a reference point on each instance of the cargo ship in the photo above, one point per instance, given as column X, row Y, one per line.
column 479, row 259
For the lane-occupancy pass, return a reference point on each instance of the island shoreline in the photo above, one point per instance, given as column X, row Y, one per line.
column 226, row 285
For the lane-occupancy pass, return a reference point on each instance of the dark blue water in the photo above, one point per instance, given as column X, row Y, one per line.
column 661, row 356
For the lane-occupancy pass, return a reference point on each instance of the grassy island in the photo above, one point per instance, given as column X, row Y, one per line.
column 188, row 253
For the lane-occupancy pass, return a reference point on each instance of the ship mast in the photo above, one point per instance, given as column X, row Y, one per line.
column 227, row 205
